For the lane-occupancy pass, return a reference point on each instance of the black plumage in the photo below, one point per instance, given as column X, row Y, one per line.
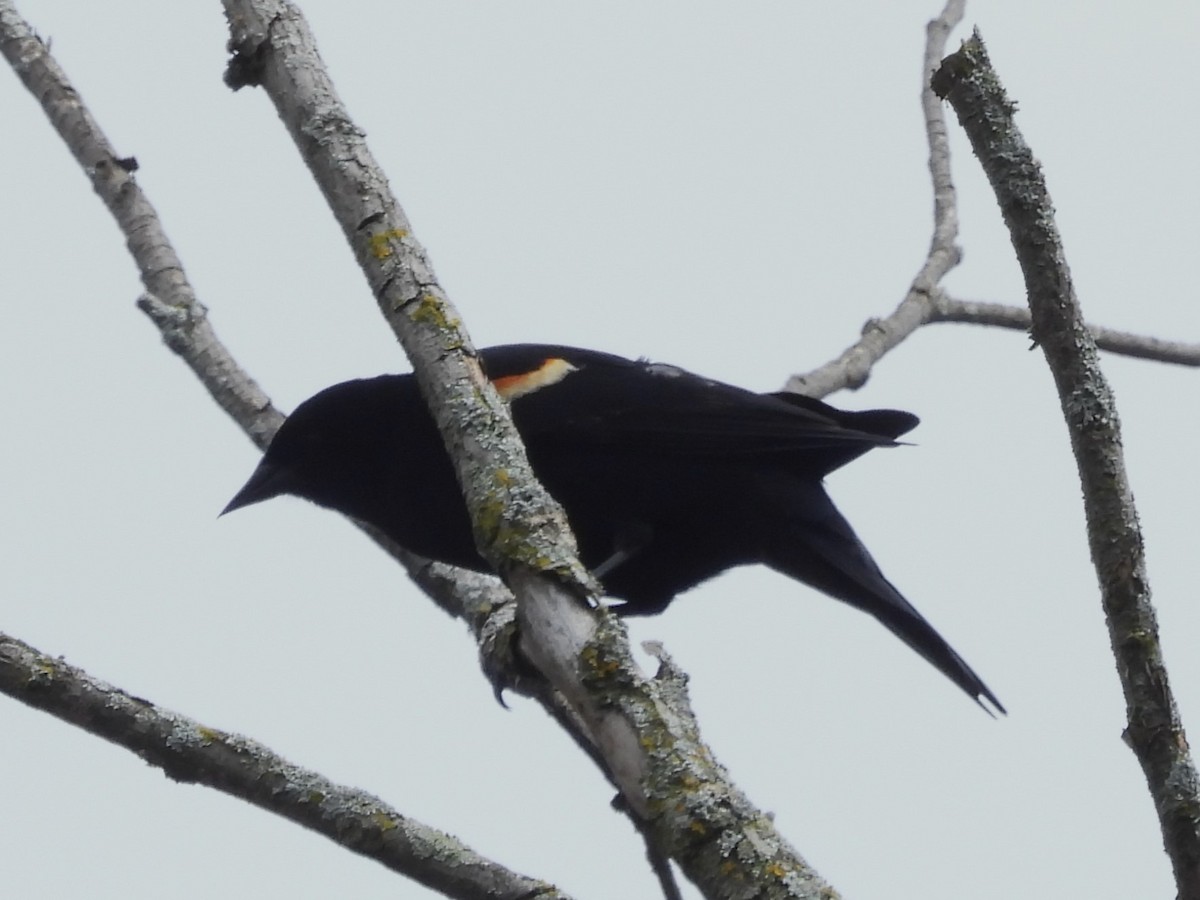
column 667, row 478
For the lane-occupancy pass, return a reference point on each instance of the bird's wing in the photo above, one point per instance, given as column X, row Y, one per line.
column 567, row 397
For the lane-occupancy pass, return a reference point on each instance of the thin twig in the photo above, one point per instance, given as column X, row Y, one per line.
column 1001, row 315
column 853, row 367
column 1155, row 731
column 926, row 302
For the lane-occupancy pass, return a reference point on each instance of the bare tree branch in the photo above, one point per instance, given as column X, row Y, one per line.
column 649, row 739
column 1155, row 732
column 481, row 600
column 189, row 752
column 182, row 320
column 171, row 304
column 517, row 524
column 174, row 302
column 715, row 833
column 273, row 48
column 853, row 367
column 1000, row 315
column 925, row 301
column 742, row 843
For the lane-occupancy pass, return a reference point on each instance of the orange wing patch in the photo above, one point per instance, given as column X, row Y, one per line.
column 551, row 371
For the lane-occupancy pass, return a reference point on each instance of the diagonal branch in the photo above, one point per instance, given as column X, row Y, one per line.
column 645, row 732
column 171, row 304
column 1155, row 732
column 720, row 839
column 192, row 753
column 184, row 321
column 272, row 47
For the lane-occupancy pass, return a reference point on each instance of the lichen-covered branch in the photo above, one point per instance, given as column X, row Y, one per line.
column 189, row 752
column 479, row 599
column 967, row 80
column 172, row 306
column 649, row 741
column 739, row 854
column 516, row 522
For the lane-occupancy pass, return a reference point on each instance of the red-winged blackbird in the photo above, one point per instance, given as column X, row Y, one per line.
column 667, row 478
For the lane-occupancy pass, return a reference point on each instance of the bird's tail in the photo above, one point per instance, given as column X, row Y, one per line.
column 819, row 548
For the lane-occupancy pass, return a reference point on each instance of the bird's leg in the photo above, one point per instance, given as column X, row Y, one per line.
column 630, row 541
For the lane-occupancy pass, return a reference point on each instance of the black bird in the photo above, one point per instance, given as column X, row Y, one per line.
column 667, row 478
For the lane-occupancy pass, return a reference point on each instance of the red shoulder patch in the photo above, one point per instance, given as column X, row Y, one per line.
column 551, row 371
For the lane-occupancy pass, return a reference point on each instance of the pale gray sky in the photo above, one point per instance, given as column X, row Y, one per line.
column 732, row 189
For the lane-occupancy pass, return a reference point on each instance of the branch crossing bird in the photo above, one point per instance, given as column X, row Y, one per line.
column 667, row 478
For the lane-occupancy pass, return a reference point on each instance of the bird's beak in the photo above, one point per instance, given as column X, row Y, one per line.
column 268, row 480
